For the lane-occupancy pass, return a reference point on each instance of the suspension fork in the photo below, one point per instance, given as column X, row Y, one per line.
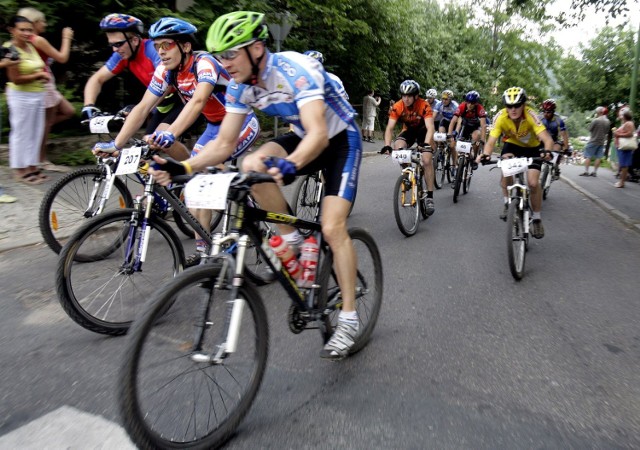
column 109, row 179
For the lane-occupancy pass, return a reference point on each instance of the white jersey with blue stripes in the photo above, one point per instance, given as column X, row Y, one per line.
column 292, row 80
column 446, row 112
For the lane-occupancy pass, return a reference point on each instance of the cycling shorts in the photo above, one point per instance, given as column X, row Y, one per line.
column 248, row 135
column 413, row 135
column 467, row 130
column 444, row 123
column 523, row 152
column 340, row 161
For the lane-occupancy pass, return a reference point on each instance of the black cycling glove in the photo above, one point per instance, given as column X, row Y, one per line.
column 386, row 149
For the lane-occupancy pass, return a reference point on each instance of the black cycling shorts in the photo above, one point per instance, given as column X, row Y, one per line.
column 413, row 135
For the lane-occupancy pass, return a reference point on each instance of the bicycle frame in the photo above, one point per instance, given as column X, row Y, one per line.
column 411, row 169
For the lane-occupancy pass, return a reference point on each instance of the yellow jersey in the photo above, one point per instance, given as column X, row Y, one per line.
column 525, row 135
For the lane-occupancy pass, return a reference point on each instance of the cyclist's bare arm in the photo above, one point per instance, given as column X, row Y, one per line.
column 430, row 131
column 565, row 139
column 388, row 133
column 223, row 146
column 192, row 109
column 316, row 137
column 546, row 139
column 136, row 118
column 488, row 147
column 94, row 85
column 483, row 128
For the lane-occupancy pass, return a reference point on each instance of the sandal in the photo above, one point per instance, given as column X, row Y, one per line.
column 41, row 176
column 30, row 178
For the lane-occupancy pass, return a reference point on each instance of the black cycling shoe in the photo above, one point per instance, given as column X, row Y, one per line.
column 505, row 210
column 193, row 260
column 537, row 230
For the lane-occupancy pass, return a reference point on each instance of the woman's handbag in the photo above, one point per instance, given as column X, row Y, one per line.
column 627, row 143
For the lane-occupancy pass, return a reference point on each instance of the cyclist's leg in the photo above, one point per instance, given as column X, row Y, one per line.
column 405, row 139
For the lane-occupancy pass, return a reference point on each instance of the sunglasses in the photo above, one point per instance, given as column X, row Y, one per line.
column 228, row 55
column 117, row 44
column 515, row 106
column 166, row 45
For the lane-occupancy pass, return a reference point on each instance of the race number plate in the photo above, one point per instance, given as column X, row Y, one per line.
column 100, row 124
column 463, row 147
column 513, row 166
column 401, row 156
column 129, row 160
column 208, row 191
column 440, row 137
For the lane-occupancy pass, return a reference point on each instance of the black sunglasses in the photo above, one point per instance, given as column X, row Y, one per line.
column 117, row 44
column 515, row 106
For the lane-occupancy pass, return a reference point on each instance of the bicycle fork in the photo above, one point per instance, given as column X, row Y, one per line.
column 518, row 192
column 409, row 186
column 109, row 178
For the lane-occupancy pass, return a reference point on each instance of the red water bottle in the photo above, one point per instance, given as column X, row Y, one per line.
column 309, row 261
column 283, row 251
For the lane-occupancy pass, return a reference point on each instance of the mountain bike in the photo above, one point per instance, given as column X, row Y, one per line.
column 519, row 211
column 87, row 192
column 115, row 261
column 548, row 174
column 190, row 375
column 442, row 160
column 307, row 198
column 465, row 168
column 410, row 191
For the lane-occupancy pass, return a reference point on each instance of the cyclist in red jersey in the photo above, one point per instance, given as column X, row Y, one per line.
column 133, row 52
column 417, row 126
column 470, row 123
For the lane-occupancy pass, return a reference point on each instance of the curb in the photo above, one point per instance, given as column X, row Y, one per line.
column 606, row 207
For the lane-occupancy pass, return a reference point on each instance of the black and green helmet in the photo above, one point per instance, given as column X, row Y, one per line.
column 236, row 29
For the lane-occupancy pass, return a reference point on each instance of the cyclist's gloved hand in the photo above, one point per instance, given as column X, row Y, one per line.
column 171, row 166
column 163, row 139
column 454, row 134
column 124, row 112
column 425, row 147
column 106, row 147
column 547, row 155
column 386, row 150
column 484, row 158
column 89, row 111
column 287, row 168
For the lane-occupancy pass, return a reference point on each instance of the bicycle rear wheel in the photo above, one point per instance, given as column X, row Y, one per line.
column 369, row 288
column 447, row 167
column 459, row 178
column 516, row 240
column 64, row 206
column 405, row 206
column 172, row 395
column 106, row 291
column 306, row 198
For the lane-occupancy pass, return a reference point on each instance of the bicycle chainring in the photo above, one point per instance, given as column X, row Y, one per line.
column 297, row 323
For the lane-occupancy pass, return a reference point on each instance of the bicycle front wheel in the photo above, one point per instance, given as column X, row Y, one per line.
column 104, row 293
column 466, row 185
column 545, row 177
column 172, row 393
column 447, row 167
column 422, row 194
column 438, row 168
column 369, row 288
column 459, row 178
column 306, row 198
column 516, row 240
column 405, row 206
column 66, row 204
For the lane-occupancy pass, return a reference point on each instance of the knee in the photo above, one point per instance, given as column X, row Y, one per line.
column 253, row 163
column 334, row 231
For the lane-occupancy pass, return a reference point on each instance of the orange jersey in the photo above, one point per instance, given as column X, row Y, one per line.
column 412, row 116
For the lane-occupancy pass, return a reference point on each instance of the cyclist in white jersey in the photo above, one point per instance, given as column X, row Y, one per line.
column 325, row 136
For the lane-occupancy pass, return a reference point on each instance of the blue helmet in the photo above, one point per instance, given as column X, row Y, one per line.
column 121, row 22
column 472, row 97
column 171, row 27
column 315, row 55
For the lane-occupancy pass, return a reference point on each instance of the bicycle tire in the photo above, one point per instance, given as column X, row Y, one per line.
column 458, row 180
column 304, row 201
column 163, row 392
column 438, row 168
column 68, row 198
column 468, row 172
column 516, row 240
column 447, row 166
column 369, row 288
column 105, row 294
column 544, row 175
column 405, row 210
column 422, row 193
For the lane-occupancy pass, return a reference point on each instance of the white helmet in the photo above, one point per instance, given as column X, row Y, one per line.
column 432, row 93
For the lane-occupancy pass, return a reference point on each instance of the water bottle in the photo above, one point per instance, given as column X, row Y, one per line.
column 283, row 251
column 309, row 262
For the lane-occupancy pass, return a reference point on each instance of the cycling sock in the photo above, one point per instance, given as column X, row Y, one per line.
column 535, row 216
column 349, row 317
column 429, row 194
column 294, row 238
column 201, row 245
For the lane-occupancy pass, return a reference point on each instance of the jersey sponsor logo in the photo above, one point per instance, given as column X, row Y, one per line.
column 206, row 73
column 155, row 85
column 230, row 98
column 288, row 69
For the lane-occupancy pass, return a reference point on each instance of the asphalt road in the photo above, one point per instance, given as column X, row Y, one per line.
column 463, row 356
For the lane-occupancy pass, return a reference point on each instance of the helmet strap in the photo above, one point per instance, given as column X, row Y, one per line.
column 255, row 66
column 134, row 51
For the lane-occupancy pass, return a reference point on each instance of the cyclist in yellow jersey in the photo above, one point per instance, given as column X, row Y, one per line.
column 523, row 135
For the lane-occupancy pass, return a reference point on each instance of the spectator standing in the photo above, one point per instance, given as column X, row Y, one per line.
column 4, row 63
column 369, row 112
column 625, row 155
column 25, row 99
column 57, row 108
column 598, row 129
